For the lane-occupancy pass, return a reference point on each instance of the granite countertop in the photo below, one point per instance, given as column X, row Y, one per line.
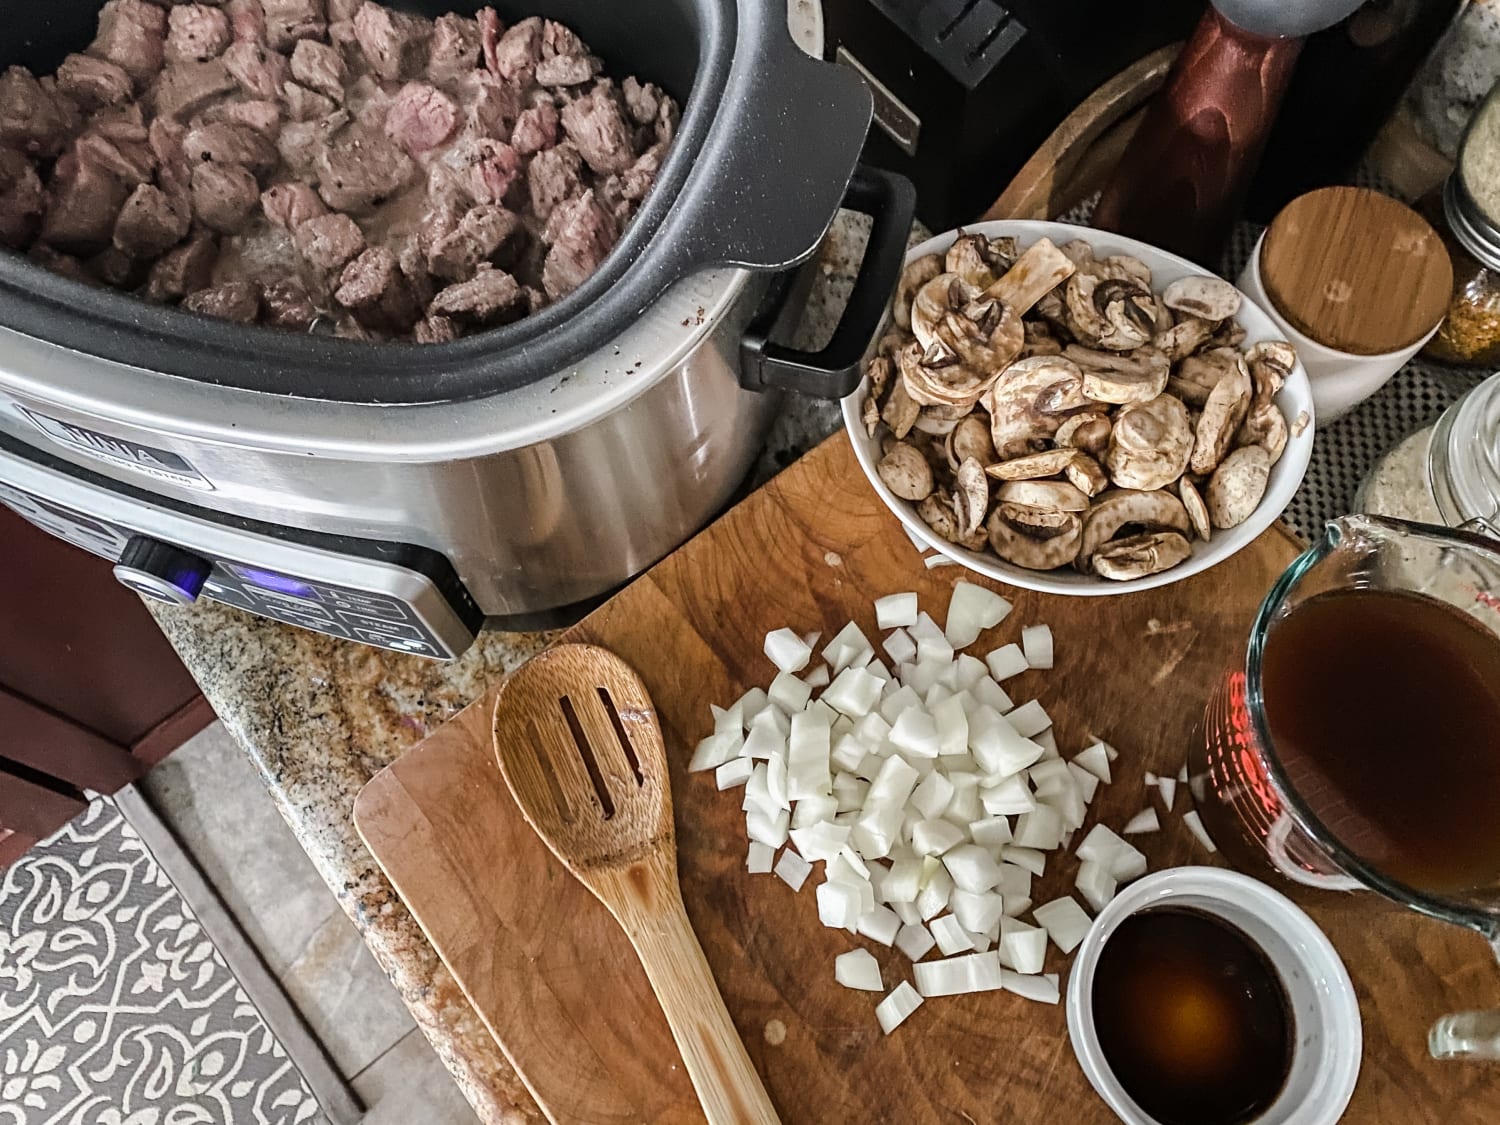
column 320, row 717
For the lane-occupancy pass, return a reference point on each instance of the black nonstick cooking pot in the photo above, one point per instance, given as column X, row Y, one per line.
column 765, row 156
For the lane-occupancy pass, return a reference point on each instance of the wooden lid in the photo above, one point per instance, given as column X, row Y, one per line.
column 1356, row 270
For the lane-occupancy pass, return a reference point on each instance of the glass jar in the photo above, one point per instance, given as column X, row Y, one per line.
column 1463, row 461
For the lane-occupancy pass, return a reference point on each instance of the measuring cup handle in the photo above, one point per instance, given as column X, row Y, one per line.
column 1466, row 1035
column 1276, row 845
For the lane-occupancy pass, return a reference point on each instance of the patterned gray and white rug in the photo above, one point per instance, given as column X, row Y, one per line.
column 115, row 1007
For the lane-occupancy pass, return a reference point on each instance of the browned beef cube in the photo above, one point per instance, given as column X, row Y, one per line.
column 196, row 32
column 490, row 28
column 371, row 100
column 436, row 330
column 360, row 169
column 411, row 254
column 480, row 235
column 642, row 100
column 59, row 263
column 290, row 20
column 187, row 88
column 518, row 51
column 225, row 196
column 301, row 142
column 303, row 104
column 22, row 199
column 536, row 129
column 92, row 82
column 373, row 287
column 666, row 122
column 83, row 200
column 247, row 21
column 565, row 60
column 132, row 35
column 394, row 43
column 150, row 223
column 290, row 205
column 329, row 241
column 421, row 118
column 31, row 120
column 223, row 143
column 491, row 105
column 553, row 176
column 115, row 268
column 130, row 163
column 259, row 70
column 287, row 304
column 636, row 180
column 597, row 128
column 182, row 270
column 454, row 50
column 340, row 10
column 319, row 67
column 490, row 297
column 488, row 166
column 262, row 116
column 582, row 233
column 238, row 301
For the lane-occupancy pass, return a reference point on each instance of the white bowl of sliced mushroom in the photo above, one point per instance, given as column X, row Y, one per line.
column 1067, row 410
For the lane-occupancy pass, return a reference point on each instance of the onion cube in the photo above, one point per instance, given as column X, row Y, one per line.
column 903, row 881
column 787, row 650
column 769, row 830
column 893, row 1011
column 848, row 752
column 1095, row 884
column 969, row 672
column 934, row 837
column 1014, row 881
column 934, row 654
column 1041, row 828
column 734, row 773
column 956, row 976
column 1036, row 645
column 1102, row 846
column 880, row 924
column 965, row 808
column 915, row 940
column 820, row 841
column 951, row 936
column 1007, row 797
column 717, row 749
column 1142, row 822
column 1024, row 948
column 916, row 733
column 977, row 913
column 818, row 677
column 877, row 829
column 854, row 693
column 971, row 610
column 896, row 610
column 1029, row 858
column 758, row 861
column 893, row 706
column 764, row 739
column 1015, row 907
column 1096, row 760
column 1168, row 787
column 1129, row 863
column 758, row 792
column 847, row 648
column 952, row 726
column 872, row 730
column 998, row 746
column 1028, row 719
column 776, row 783
column 931, row 797
column 1047, row 740
column 907, row 912
column 992, row 695
column 1195, row 826
column 1044, row 989
column 849, row 794
column 990, row 831
column 1065, row 922
column 751, row 704
column 807, row 762
column 1087, row 783
column 900, row 647
column 789, row 693
column 925, row 629
column 1050, row 778
column 972, row 868
column 892, row 784
column 932, row 899
column 858, row 969
column 792, row 869
column 1006, row 661
column 838, row 905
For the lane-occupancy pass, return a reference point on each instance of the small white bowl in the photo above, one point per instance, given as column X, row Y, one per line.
column 1340, row 380
column 1286, row 475
column 1329, row 1036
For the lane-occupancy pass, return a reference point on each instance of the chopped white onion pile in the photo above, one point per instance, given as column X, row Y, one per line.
column 928, row 795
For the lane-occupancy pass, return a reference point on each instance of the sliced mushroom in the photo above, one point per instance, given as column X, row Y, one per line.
column 892, row 342
column 1034, row 538
column 1237, row 486
column 973, row 259
column 1121, row 377
column 906, row 472
column 1150, row 444
column 901, row 410
column 1040, row 339
column 1086, row 474
column 1030, row 400
column 933, row 424
column 971, row 496
column 1089, row 432
column 1123, row 267
column 1230, row 334
column 913, row 277
column 1183, row 338
column 869, row 414
column 1198, row 375
column 1113, row 314
column 962, row 351
column 878, row 370
column 1270, row 363
column 1120, row 508
column 1222, row 414
column 1266, row 427
column 1033, row 466
column 1210, row 298
column 1055, row 495
column 1140, row 555
column 937, row 514
column 1192, row 501
column 970, row 438
column 1079, row 252
column 1041, row 269
column 934, row 300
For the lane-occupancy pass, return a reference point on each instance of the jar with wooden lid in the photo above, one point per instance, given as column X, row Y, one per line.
column 1468, row 212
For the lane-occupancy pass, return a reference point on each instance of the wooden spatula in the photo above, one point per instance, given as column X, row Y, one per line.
column 580, row 749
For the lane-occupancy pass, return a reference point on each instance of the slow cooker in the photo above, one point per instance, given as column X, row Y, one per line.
column 404, row 495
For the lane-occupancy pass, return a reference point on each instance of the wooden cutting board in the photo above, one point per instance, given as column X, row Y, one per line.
column 558, row 985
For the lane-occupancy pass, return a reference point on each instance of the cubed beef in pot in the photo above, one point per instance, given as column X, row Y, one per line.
column 517, row 52
column 187, row 88
column 374, row 289
column 319, row 67
column 553, row 176
column 225, row 196
column 247, row 21
column 262, row 116
column 642, row 100
column 359, row 169
column 151, row 222
column 565, row 60
column 131, row 164
column 287, row 304
column 340, row 10
column 115, row 268
column 454, row 49
column 490, row 297
column 55, row 261
column 184, row 269
column 581, row 234
column 31, row 120
column 22, row 199
column 172, row 172
column 421, row 118
column 328, row 242
column 287, row 21
column 259, row 70
column 238, row 301
column 636, row 181
column 479, row 236
column 303, row 104
column 488, row 167
column 491, row 105
column 290, row 205
column 536, row 129
column 223, row 143
column 394, row 43
column 196, row 33
column 436, row 330
column 93, row 83
column 301, row 142
column 132, row 35
column 83, row 200
column 596, row 126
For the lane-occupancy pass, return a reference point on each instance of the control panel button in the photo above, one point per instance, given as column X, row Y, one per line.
column 161, row 571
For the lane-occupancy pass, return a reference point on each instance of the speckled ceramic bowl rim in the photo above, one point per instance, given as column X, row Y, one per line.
column 1286, row 475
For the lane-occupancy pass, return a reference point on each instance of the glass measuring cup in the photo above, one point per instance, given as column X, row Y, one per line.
column 1242, row 787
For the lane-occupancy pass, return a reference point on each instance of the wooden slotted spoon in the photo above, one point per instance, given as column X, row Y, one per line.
column 580, row 748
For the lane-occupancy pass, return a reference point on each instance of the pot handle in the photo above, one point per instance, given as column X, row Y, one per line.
column 833, row 372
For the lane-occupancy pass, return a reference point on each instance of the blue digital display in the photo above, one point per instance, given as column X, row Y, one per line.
column 269, row 580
